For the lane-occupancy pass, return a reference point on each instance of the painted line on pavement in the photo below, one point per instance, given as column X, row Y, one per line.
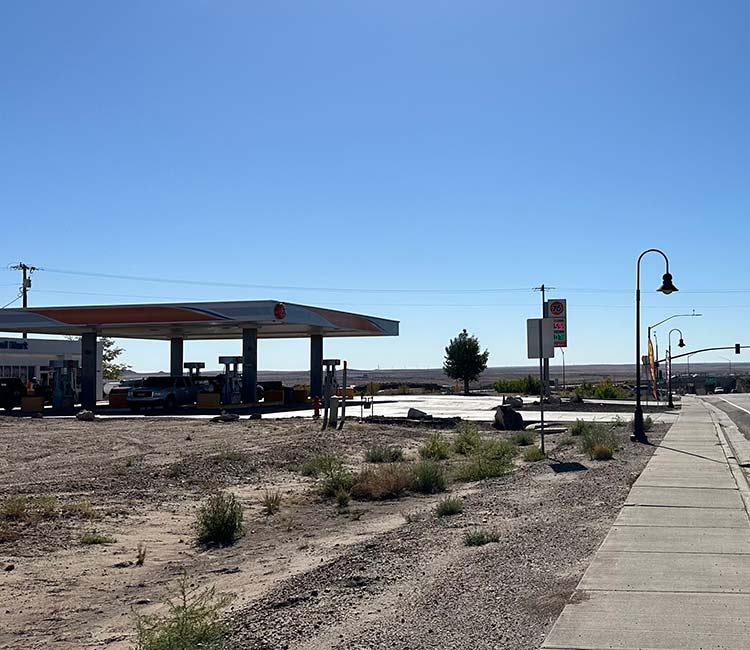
column 732, row 404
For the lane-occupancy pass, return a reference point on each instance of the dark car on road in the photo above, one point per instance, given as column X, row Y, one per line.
column 12, row 389
column 167, row 392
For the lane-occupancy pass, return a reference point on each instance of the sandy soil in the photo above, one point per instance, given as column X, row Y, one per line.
column 145, row 480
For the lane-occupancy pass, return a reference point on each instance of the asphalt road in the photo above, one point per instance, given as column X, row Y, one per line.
column 737, row 407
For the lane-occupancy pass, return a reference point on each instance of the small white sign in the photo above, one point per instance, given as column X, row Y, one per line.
column 540, row 338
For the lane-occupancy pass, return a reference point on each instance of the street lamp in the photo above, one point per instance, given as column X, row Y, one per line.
column 655, row 325
column 666, row 288
column 730, row 363
column 681, row 344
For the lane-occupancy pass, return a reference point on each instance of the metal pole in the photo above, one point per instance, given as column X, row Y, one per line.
column 563, row 356
column 541, row 389
column 670, row 402
column 545, row 361
column 638, row 431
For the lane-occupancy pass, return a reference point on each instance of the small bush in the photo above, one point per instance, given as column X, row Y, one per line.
column 321, row 464
column 412, row 517
column 386, row 482
column 342, row 498
column 384, row 454
column 44, row 507
column 81, row 509
column 219, row 520
column 523, row 438
column 468, row 438
column 480, row 537
column 93, row 537
column 449, row 506
column 533, row 455
column 492, row 459
column 14, row 508
column 601, row 451
column 140, row 554
column 580, row 427
column 428, row 478
column 271, row 502
column 336, row 479
column 193, row 620
column 435, row 448
column 598, row 443
column 648, row 423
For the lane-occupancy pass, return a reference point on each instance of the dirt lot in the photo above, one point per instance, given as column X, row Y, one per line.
column 310, row 577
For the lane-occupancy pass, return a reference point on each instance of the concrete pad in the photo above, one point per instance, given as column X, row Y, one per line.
column 653, row 478
column 684, row 497
column 649, row 621
column 668, row 572
column 683, row 517
column 666, row 539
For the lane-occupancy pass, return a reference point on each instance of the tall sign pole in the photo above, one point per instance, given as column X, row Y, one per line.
column 540, row 345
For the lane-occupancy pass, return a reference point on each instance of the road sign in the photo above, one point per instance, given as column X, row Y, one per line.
column 557, row 310
column 540, row 339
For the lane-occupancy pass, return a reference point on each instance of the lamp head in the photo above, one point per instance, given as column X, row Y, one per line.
column 681, row 344
column 666, row 286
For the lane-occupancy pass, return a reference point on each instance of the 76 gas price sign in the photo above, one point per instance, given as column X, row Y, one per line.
column 557, row 310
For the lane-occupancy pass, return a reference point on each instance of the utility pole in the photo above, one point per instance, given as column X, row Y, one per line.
column 542, row 288
column 27, row 270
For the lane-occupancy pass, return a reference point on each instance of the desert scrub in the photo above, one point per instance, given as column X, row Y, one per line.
column 271, row 502
column 428, row 478
column 435, row 448
column 522, row 438
column 342, row 498
column 467, row 439
column 80, row 509
column 494, row 458
column 580, row 427
column 598, row 443
column 321, row 464
column 335, row 480
column 219, row 520
column 384, row 454
column 386, row 482
column 480, row 537
column 449, row 506
column 648, row 423
column 533, row 455
column 93, row 537
column 14, row 508
column 193, row 620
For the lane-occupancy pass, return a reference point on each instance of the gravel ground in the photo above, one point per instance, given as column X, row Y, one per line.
column 420, row 587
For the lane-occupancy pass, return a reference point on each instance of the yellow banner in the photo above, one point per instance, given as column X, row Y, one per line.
column 652, row 368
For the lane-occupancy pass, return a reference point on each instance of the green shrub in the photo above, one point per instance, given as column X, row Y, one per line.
column 533, row 455
column 435, row 448
column 449, row 506
column 523, row 438
column 93, row 537
column 44, row 507
column 648, row 423
column 494, row 458
column 336, row 479
column 384, row 454
column 428, row 478
column 193, row 620
column 468, row 438
column 219, row 520
column 580, row 427
column 598, row 443
column 526, row 386
column 480, row 537
column 320, row 465
column 386, row 482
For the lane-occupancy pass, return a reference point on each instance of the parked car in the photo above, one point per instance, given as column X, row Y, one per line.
column 167, row 392
column 12, row 389
column 718, row 389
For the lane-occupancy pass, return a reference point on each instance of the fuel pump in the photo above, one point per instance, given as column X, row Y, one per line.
column 64, row 380
column 194, row 368
column 231, row 391
column 330, row 401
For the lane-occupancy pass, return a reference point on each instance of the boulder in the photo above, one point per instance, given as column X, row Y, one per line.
column 416, row 414
column 514, row 402
column 508, row 419
column 85, row 416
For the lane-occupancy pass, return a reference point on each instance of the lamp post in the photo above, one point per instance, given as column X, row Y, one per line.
column 730, row 363
column 681, row 344
column 639, row 434
column 655, row 325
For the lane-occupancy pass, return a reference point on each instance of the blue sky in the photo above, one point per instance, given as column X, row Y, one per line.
column 438, row 146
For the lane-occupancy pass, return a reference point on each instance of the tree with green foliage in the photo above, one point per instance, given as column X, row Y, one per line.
column 464, row 360
column 110, row 352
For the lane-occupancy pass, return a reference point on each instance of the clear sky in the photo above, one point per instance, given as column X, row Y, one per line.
column 466, row 150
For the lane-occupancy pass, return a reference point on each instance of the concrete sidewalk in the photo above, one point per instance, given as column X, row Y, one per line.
column 674, row 570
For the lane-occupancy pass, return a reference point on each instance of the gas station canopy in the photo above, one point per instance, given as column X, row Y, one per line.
column 196, row 320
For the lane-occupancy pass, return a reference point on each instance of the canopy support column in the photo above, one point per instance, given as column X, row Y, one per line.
column 316, row 365
column 88, row 371
column 249, row 365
